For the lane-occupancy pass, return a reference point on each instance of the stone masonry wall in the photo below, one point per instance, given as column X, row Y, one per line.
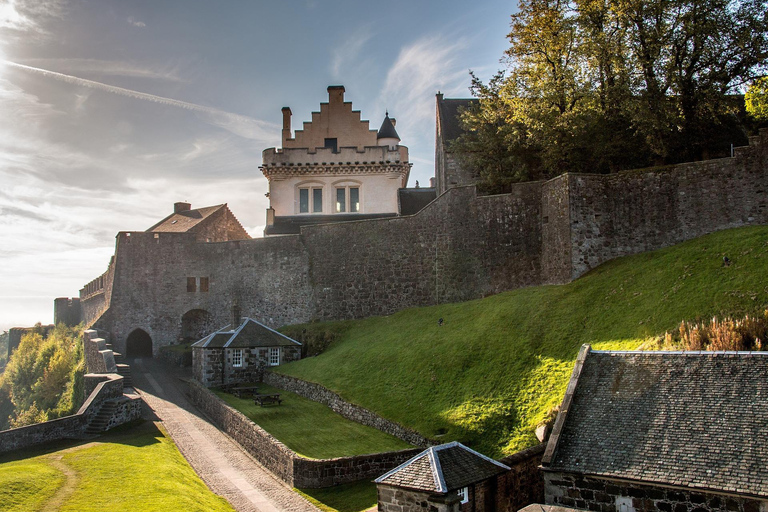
column 572, row 490
column 318, row 393
column 395, row 499
column 282, row 461
column 523, row 484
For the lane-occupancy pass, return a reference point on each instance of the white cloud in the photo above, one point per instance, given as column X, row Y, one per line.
column 136, row 23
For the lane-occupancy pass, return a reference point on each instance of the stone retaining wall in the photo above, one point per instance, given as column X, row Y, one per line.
column 318, row 393
column 524, row 483
column 71, row 427
column 293, row 469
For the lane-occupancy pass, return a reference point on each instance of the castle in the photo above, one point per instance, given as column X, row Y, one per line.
column 178, row 280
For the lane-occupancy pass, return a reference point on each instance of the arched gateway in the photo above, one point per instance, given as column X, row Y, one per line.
column 138, row 344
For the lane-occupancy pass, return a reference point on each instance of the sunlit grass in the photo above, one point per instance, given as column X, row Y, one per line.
column 352, row 497
column 497, row 366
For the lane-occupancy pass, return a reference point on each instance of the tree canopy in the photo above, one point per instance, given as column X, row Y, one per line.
column 606, row 85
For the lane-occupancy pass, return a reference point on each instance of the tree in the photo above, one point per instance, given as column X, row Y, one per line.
column 756, row 99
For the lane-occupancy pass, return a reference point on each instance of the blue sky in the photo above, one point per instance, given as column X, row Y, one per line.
column 110, row 111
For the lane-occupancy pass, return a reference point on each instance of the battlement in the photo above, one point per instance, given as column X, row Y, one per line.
column 310, row 160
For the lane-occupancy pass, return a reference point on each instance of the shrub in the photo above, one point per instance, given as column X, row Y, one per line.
column 747, row 333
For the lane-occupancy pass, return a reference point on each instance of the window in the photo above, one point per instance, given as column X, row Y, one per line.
column 463, row 495
column 203, row 284
column 347, row 193
column 332, row 143
column 316, row 194
column 274, row 356
column 191, row 284
column 237, row 358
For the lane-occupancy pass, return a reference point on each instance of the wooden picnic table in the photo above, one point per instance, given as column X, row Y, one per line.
column 267, row 399
column 239, row 391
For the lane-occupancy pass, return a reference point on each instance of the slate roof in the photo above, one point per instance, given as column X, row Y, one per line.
column 248, row 334
column 387, row 130
column 448, row 110
column 413, row 200
column 443, row 469
column 690, row 419
column 182, row 222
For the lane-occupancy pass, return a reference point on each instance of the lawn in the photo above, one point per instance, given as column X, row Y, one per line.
column 498, row 366
column 311, row 429
column 131, row 470
column 352, row 497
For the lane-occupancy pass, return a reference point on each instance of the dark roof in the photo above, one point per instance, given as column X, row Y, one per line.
column 413, row 200
column 291, row 224
column 443, row 469
column 387, row 130
column 182, row 222
column 691, row 419
column 248, row 334
column 450, row 123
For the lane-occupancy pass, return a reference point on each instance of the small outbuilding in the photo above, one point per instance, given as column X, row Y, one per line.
column 240, row 352
column 661, row 432
column 445, row 478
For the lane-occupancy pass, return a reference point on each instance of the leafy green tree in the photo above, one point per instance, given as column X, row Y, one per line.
column 756, row 99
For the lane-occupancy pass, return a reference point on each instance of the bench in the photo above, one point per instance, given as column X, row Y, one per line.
column 262, row 400
column 242, row 391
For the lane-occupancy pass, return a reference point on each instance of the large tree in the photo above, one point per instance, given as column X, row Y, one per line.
column 605, row 85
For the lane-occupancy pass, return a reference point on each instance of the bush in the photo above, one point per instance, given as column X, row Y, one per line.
column 742, row 334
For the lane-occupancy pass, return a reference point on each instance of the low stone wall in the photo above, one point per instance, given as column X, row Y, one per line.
column 318, row 393
column 293, row 469
column 68, row 427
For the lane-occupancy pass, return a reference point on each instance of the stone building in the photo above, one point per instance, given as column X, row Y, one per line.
column 448, row 172
column 208, row 224
column 334, row 169
column 240, row 352
column 445, row 478
column 661, row 431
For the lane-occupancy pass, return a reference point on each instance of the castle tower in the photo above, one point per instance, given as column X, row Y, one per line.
column 334, row 169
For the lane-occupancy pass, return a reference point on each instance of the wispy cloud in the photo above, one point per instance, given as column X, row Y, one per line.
column 25, row 17
column 136, row 23
column 243, row 126
column 106, row 68
column 348, row 52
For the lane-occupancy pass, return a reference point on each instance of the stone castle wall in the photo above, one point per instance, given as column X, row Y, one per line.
column 460, row 247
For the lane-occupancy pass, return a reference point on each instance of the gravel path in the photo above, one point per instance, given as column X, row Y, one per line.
column 222, row 464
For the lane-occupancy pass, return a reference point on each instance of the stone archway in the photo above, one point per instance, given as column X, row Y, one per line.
column 196, row 324
column 138, row 344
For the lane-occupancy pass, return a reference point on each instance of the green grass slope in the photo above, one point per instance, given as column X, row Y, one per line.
column 498, row 366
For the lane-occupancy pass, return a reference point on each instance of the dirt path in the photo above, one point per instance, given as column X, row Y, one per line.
column 66, row 490
column 221, row 463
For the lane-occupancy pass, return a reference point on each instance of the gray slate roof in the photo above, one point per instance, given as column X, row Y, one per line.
column 691, row 419
column 442, row 469
column 387, row 130
column 248, row 334
column 182, row 222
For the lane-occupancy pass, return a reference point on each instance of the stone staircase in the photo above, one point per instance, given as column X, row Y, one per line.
column 100, row 421
column 125, row 371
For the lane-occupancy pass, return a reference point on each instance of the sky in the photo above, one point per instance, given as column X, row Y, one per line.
column 112, row 110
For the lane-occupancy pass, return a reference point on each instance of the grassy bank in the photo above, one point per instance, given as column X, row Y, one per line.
column 498, row 366
column 133, row 470
column 312, row 429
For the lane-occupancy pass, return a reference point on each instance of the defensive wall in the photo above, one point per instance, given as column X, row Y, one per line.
column 460, row 247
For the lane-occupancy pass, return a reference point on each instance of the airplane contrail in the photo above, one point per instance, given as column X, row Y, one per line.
column 244, row 126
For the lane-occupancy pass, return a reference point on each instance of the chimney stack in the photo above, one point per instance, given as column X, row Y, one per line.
column 235, row 316
column 181, row 207
column 286, row 123
column 335, row 94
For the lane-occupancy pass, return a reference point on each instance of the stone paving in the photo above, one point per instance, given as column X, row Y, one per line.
column 221, row 463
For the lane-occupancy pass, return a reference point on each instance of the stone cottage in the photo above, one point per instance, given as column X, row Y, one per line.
column 444, row 478
column 661, row 431
column 240, row 352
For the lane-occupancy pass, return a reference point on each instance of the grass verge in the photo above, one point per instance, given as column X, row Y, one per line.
column 312, row 429
column 131, row 470
column 352, row 497
column 498, row 366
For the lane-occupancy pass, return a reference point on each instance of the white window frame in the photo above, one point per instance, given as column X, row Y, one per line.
column 237, row 358
column 273, row 356
column 463, row 495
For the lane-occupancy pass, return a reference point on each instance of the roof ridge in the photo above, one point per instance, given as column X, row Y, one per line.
column 437, row 470
column 271, row 329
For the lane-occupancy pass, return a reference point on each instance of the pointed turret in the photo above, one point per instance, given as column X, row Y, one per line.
column 387, row 135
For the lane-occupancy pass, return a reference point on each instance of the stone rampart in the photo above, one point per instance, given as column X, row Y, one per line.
column 318, row 393
column 98, row 358
column 293, row 469
column 69, row 427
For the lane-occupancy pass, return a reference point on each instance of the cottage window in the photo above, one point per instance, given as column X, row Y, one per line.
column 347, row 199
column 274, row 356
column 237, row 358
column 463, row 495
column 310, row 200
